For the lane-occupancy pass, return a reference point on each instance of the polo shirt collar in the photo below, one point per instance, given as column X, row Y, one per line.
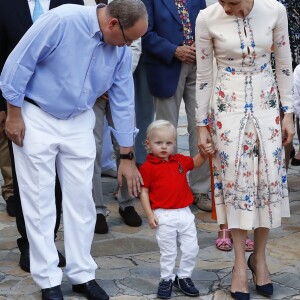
column 94, row 24
column 156, row 160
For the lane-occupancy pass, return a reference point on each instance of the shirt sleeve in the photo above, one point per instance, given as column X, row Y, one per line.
column 121, row 100
column 283, row 60
column 145, row 172
column 297, row 90
column 204, row 82
column 38, row 42
column 152, row 42
column 187, row 162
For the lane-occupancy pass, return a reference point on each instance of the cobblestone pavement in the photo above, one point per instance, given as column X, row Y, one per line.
column 128, row 258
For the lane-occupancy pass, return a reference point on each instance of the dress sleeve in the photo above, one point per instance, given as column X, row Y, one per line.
column 283, row 60
column 204, row 53
column 297, row 90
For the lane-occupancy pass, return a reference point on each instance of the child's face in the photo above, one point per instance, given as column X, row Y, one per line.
column 162, row 143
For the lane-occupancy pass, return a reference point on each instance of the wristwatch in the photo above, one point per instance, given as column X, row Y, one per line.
column 129, row 156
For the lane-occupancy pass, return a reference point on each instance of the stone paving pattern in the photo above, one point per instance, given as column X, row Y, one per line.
column 128, row 258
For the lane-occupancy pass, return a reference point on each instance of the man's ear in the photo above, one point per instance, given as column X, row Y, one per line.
column 112, row 23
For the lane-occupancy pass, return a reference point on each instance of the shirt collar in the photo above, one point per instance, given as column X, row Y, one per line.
column 156, row 160
column 94, row 24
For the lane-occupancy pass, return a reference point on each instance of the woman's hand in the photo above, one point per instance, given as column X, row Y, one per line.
column 287, row 128
column 205, row 143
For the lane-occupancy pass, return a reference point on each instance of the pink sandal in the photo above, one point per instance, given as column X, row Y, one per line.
column 249, row 245
column 224, row 243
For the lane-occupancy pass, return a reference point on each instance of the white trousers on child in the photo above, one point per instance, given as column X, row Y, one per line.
column 176, row 224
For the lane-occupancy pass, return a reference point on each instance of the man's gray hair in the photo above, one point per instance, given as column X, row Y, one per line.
column 128, row 12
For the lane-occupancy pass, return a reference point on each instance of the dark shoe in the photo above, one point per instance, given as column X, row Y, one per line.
column 165, row 289
column 91, row 290
column 186, row 285
column 295, row 161
column 25, row 260
column 130, row 216
column 53, row 293
column 101, row 225
column 265, row 289
column 10, row 206
column 240, row 295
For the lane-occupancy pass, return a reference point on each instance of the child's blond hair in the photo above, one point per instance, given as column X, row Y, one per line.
column 159, row 124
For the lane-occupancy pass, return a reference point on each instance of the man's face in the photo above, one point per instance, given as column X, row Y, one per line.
column 116, row 35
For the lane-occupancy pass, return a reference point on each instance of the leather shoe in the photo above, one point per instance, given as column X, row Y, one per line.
column 91, row 290
column 10, row 206
column 53, row 293
column 130, row 216
column 101, row 225
column 25, row 260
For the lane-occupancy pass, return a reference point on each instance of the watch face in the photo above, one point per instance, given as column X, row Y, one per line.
column 130, row 155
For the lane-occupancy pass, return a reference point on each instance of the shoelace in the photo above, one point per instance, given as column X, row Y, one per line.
column 165, row 285
column 188, row 282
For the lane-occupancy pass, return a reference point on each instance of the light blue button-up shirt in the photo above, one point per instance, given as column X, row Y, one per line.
column 64, row 66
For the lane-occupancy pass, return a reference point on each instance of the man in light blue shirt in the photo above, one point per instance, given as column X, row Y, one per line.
column 66, row 60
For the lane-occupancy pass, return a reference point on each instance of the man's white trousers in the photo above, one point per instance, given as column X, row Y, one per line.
column 67, row 146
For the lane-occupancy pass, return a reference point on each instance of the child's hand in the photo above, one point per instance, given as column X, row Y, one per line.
column 153, row 221
column 209, row 149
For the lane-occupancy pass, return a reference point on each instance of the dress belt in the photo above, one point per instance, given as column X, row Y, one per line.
column 31, row 101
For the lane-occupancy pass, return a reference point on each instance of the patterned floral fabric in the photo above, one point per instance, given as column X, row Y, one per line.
column 186, row 23
column 241, row 104
column 293, row 11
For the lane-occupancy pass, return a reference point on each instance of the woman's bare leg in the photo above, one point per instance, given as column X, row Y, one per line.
column 239, row 282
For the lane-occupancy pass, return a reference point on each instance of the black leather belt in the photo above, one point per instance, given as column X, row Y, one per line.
column 31, row 101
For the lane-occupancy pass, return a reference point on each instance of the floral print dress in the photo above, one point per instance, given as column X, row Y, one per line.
column 241, row 105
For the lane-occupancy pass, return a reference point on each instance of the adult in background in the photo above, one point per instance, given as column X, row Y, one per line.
column 249, row 170
column 12, row 29
column 170, row 64
column 50, row 95
column 125, row 200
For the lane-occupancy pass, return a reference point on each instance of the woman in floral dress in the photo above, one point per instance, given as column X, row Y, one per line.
column 250, row 183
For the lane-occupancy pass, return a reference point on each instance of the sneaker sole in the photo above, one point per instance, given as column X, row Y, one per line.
column 191, row 295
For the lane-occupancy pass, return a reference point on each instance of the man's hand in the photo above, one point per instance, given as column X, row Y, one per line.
column 14, row 126
column 186, row 54
column 128, row 169
column 287, row 128
column 2, row 123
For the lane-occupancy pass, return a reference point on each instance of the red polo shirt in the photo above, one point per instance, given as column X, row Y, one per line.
column 167, row 182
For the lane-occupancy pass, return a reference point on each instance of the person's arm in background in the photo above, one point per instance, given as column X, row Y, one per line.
column 284, row 73
column 205, row 78
column 297, row 90
column 136, row 48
